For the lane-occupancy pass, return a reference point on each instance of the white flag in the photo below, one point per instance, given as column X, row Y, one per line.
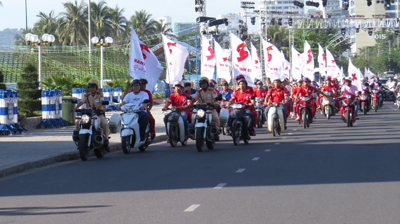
column 222, row 63
column 272, row 60
column 241, row 59
column 175, row 57
column 207, row 58
column 308, row 62
column 286, row 71
column 256, row 72
column 321, row 61
column 297, row 64
column 137, row 67
column 354, row 75
column 331, row 66
column 153, row 66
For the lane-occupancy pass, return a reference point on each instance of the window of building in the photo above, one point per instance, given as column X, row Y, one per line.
column 279, row 3
column 273, row 7
column 286, row 7
column 278, row 7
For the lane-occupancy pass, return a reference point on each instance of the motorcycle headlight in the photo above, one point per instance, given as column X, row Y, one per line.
column 328, row 93
column 348, row 96
column 85, row 119
column 237, row 106
column 305, row 98
column 363, row 97
column 201, row 113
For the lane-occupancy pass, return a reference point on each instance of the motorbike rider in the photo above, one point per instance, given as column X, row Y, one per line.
column 259, row 90
column 188, row 89
column 375, row 85
column 152, row 121
column 137, row 96
column 328, row 87
column 348, row 88
column 244, row 96
column 95, row 99
column 205, row 95
column 307, row 90
column 295, row 91
column 226, row 92
column 249, row 88
column 178, row 99
column 212, row 85
column 391, row 85
column 276, row 94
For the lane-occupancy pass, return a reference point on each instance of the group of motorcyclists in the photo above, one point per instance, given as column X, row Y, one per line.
column 290, row 99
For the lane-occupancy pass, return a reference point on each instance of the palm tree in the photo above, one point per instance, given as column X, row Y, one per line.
column 72, row 25
column 46, row 24
column 143, row 24
column 161, row 28
column 100, row 16
column 117, row 22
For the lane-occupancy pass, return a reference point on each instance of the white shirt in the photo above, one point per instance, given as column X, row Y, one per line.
column 391, row 85
column 136, row 99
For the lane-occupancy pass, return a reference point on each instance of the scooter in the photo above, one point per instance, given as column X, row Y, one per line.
column 375, row 101
column 276, row 122
column 260, row 107
column 129, row 128
column 238, row 123
column 176, row 127
column 305, row 112
column 328, row 105
column 348, row 108
column 90, row 136
column 365, row 102
column 204, row 129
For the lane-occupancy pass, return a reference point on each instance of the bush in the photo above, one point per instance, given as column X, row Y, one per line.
column 2, row 85
column 28, row 91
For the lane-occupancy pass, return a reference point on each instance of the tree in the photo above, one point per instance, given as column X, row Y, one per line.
column 46, row 24
column 2, row 85
column 143, row 24
column 117, row 23
column 100, row 16
column 73, row 24
column 28, row 90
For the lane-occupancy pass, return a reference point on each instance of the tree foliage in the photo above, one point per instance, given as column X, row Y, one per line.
column 28, row 90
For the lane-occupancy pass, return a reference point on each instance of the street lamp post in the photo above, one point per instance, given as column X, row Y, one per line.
column 103, row 43
column 33, row 40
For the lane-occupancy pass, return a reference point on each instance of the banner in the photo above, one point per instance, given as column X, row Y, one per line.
column 331, row 66
column 354, row 75
column 137, row 66
column 153, row 66
column 256, row 72
column 175, row 57
column 272, row 60
column 207, row 58
column 222, row 63
column 241, row 59
column 321, row 61
column 308, row 61
column 297, row 65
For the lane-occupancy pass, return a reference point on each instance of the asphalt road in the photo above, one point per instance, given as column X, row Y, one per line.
column 325, row 174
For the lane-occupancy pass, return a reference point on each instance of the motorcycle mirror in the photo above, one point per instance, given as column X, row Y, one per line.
column 189, row 97
column 252, row 97
column 146, row 101
column 105, row 103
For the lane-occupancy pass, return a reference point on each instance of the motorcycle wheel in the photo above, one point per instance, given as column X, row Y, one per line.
column 210, row 144
column 348, row 119
column 328, row 115
column 173, row 140
column 199, row 139
column 246, row 140
column 375, row 107
column 259, row 121
column 364, row 109
column 126, row 147
column 83, row 148
column 236, row 132
column 274, row 128
column 99, row 152
column 304, row 118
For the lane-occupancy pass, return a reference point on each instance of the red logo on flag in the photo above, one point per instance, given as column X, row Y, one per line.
column 310, row 57
column 269, row 55
column 211, row 52
column 323, row 56
column 169, row 46
column 243, row 54
column 225, row 59
column 146, row 48
column 354, row 76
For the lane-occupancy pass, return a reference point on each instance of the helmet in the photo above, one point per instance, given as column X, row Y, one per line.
column 93, row 82
column 348, row 79
column 135, row 81
column 204, row 80
column 242, row 80
column 143, row 80
column 328, row 79
column 259, row 82
column 224, row 83
column 334, row 79
column 212, row 82
column 239, row 77
column 305, row 79
column 300, row 81
column 179, row 83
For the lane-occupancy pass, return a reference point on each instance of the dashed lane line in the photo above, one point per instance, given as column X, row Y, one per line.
column 267, row 150
column 255, row 158
column 219, row 186
column 192, row 208
column 240, row 170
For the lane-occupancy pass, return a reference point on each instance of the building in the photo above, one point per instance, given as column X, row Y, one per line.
column 393, row 11
column 283, row 7
column 166, row 20
column 334, row 9
column 185, row 28
column 233, row 23
column 359, row 8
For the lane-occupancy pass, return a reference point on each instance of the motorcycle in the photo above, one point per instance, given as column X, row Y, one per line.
column 176, row 127
column 223, row 115
column 90, row 136
column 305, row 111
column 204, row 128
column 328, row 105
column 365, row 100
column 238, row 123
column 348, row 106
column 260, row 107
column 276, row 122
column 129, row 128
column 387, row 94
column 375, row 101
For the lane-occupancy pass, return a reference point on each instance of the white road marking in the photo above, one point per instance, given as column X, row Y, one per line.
column 240, row 170
column 277, row 143
column 294, row 129
column 255, row 158
column 290, row 133
column 219, row 186
column 192, row 208
column 267, row 150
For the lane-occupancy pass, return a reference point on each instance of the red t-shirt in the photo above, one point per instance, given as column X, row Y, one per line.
column 239, row 96
column 249, row 89
column 327, row 88
column 260, row 92
column 178, row 100
column 277, row 95
column 303, row 91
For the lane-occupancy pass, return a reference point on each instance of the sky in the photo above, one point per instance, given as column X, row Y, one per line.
column 12, row 13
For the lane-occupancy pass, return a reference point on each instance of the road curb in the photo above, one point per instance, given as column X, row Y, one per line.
column 60, row 158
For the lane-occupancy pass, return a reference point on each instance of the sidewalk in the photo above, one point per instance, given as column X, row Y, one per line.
column 40, row 147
